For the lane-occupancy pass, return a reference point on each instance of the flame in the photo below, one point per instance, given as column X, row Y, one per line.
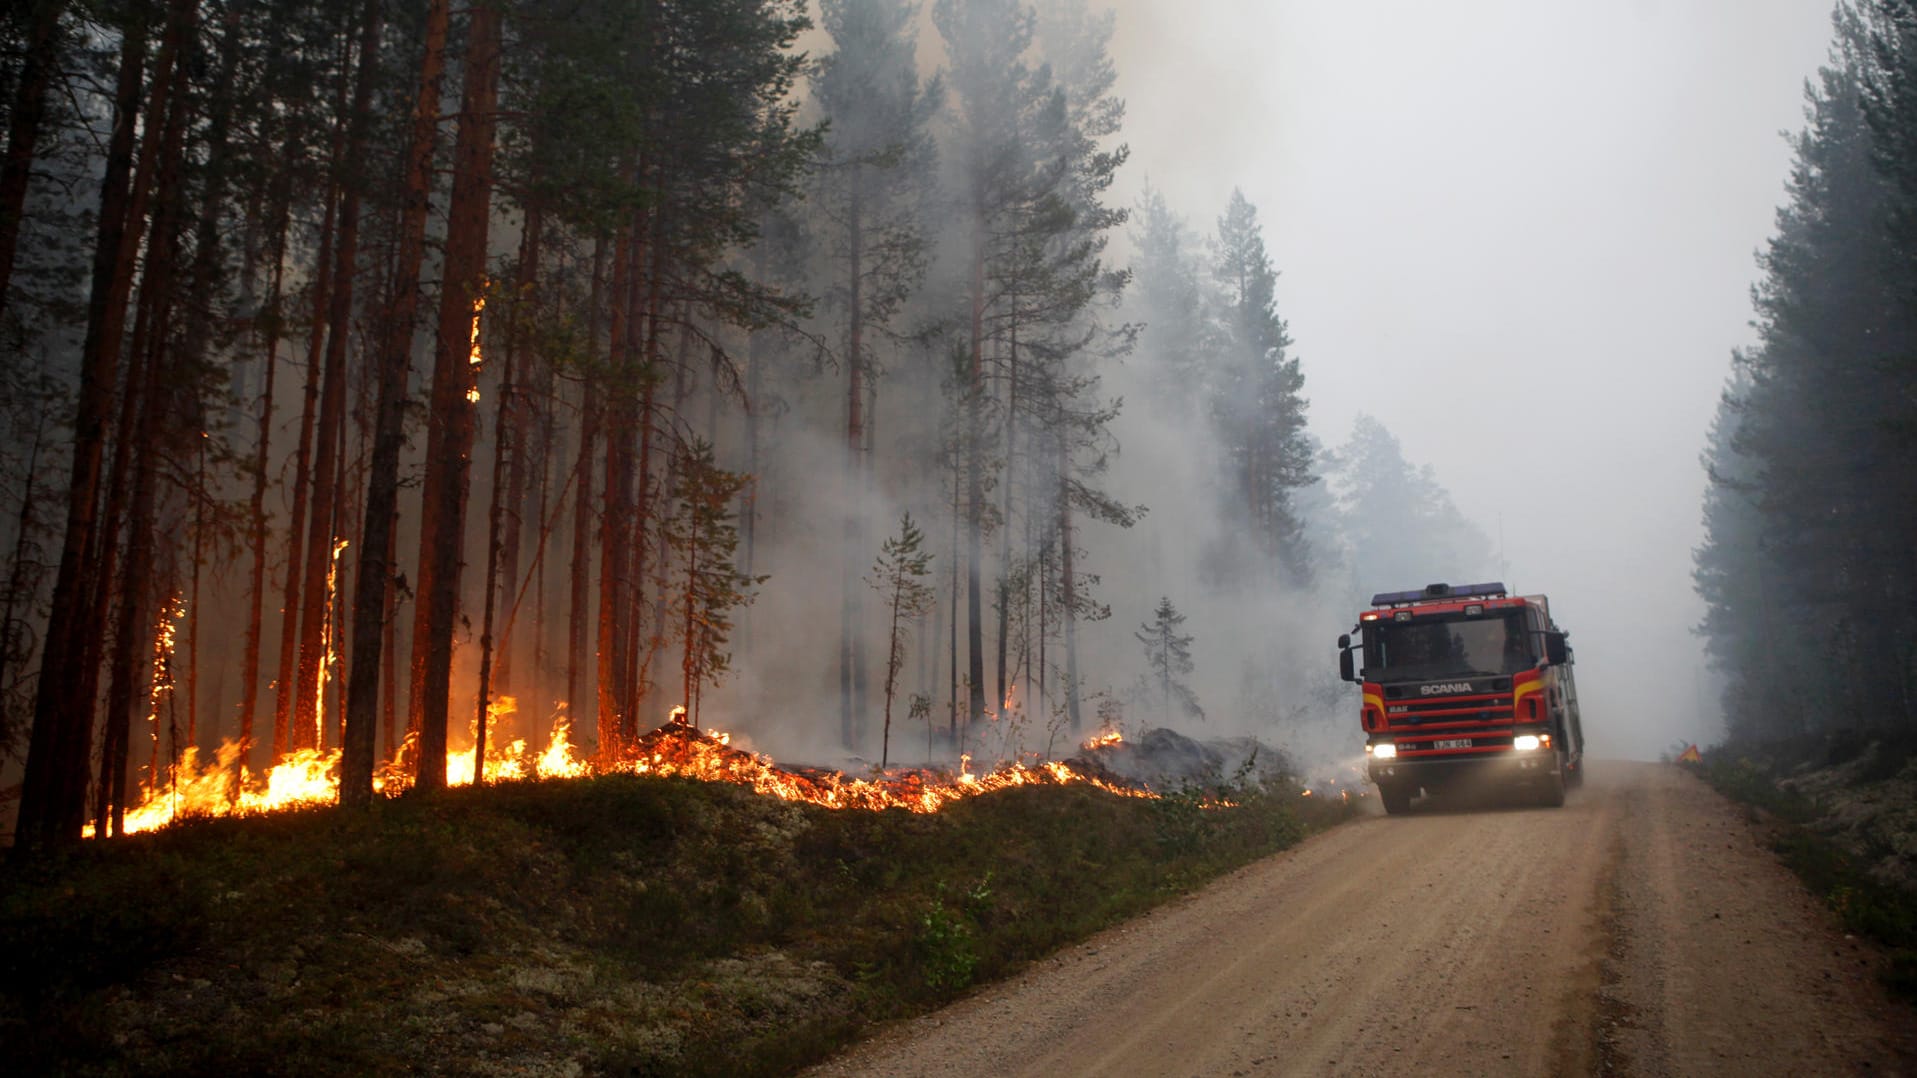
column 164, row 642
column 479, row 306
column 197, row 787
column 329, row 644
column 1107, row 735
column 678, row 750
column 473, row 357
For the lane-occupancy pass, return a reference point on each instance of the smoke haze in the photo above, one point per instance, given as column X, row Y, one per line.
column 1521, row 236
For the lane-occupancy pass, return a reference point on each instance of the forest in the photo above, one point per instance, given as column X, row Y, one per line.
column 391, row 387
column 1807, row 565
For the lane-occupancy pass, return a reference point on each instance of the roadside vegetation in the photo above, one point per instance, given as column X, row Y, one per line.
column 618, row 924
column 1849, row 858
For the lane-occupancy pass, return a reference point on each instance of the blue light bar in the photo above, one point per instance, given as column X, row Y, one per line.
column 1436, row 592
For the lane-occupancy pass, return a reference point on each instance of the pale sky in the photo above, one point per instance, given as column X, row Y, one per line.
column 1520, row 233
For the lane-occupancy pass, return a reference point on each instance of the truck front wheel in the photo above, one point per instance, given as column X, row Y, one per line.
column 1551, row 794
column 1397, row 799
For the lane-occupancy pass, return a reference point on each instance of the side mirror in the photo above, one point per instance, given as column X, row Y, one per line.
column 1556, row 651
column 1344, row 641
column 1345, row 667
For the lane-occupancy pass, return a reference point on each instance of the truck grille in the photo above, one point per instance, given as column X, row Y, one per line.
column 1450, row 711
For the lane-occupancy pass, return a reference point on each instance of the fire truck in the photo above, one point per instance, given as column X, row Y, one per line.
column 1464, row 684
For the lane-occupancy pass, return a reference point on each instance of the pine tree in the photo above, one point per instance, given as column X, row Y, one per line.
column 1809, row 581
column 902, row 561
column 1258, row 404
column 1168, row 660
column 1381, row 499
column 703, row 536
column 880, row 156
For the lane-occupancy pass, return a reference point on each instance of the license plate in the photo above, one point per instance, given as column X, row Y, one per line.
column 1453, row 743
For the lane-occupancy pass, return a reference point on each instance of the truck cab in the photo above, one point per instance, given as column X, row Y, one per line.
column 1465, row 684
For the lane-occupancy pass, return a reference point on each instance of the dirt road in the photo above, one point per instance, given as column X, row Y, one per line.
column 1641, row 930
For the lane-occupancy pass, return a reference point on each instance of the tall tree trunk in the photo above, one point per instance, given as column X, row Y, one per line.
column 958, row 517
column 975, row 478
column 374, row 605
column 150, row 339
column 1068, row 584
column 53, row 793
column 447, row 475
column 23, row 128
column 579, row 591
column 1002, row 700
column 494, row 511
column 256, row 507
column 200, row 497
column 315, row 620
column 749, row 496
column 285, row 686
column 18, row 572
column 615, row 556
column 854, row 545
column 514, row 423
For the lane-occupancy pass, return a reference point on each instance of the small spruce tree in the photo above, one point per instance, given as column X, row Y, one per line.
column 1169, row 657
column 704, row 539
column 897, row 575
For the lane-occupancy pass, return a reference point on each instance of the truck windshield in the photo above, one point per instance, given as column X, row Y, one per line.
column 1453, row 646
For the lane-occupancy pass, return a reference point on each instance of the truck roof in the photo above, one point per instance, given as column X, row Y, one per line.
column 1446, row 599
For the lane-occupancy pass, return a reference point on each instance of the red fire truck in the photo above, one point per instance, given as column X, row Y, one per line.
column 1464, row 684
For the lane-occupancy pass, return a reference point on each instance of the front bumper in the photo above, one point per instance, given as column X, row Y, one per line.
column 1501, row 764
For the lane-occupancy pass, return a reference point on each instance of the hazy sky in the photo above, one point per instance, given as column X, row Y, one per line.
column 1521, row 234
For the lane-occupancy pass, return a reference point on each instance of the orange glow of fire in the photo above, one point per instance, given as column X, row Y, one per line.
column 473, row 358
column 1108, row 735
column 163, row 644
column 222, row 787
column 329, row 644
column 678, row 750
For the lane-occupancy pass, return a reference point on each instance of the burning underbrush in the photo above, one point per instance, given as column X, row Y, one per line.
column 223, row 786
column 612, row 924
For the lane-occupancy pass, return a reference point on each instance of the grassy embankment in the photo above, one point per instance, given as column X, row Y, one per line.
column 1863, row 904
column 625, row 925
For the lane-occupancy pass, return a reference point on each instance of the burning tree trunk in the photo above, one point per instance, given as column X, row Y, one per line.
column 461, row 300
column 285, row 685
column 321, row 553
column 502, row 434
column 256, row 594
column 151, row 398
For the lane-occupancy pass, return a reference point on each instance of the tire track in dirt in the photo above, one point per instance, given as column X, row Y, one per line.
column 1642, row 930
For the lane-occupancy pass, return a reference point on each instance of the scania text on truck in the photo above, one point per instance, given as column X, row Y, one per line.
column 1464, row 684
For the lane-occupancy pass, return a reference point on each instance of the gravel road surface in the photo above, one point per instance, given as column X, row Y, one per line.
column 1642, row 929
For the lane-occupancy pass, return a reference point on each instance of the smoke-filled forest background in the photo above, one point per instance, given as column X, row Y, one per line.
column 367, row 361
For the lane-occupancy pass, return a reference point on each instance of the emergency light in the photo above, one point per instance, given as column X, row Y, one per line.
column 1432, row 592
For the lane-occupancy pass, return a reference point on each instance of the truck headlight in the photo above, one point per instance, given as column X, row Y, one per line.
column 1525, row 742
column 1384, row 750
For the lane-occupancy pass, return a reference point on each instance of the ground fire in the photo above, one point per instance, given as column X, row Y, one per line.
column 220, row 786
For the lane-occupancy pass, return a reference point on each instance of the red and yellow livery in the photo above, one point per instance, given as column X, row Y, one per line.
column 1464, row 683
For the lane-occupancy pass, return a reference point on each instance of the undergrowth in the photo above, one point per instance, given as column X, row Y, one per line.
column 618, row 925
